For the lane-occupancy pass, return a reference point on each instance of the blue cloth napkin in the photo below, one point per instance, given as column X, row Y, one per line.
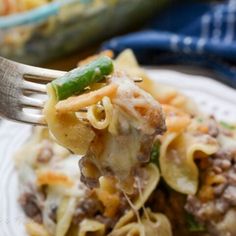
column 201, row 34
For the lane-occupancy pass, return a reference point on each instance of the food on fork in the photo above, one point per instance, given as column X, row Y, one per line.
column 77, row 80
column 182, row 184
column 116, row 130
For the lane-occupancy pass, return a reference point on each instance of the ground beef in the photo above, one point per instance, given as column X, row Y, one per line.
column 145, row 148
column 84, row 164
column 53, row 214
column 107, row 221
column 213, row 128
column 92, row 208
column 87, row 208
column 31, row 207
column 211, row 212
column 171, row 204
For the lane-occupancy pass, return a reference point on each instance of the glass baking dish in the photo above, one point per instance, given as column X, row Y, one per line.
column 62, row 26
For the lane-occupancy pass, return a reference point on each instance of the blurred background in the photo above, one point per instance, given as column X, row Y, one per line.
column 193, row 36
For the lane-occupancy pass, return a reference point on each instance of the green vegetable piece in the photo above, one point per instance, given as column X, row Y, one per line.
column 193, row 225
column 155, row 153
column 227, row 125
column 75, row 81
column 199, row 119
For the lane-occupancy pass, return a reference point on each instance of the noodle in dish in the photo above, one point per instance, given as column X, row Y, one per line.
column 8, row 7
column 123, row 156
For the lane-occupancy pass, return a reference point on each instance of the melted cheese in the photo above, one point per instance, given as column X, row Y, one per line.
column 122, row 144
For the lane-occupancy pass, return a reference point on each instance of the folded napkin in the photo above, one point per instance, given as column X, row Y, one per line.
column 201, row 34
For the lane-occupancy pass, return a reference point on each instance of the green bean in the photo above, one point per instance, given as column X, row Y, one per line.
column 155, row 152
column 75, row 81
column 227, row 125
column 193, row 225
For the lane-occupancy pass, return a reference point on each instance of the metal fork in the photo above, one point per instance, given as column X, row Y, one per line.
column 18, row 82
column 20, row 87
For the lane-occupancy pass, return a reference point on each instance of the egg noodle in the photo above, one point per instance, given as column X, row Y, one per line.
column 8, row 7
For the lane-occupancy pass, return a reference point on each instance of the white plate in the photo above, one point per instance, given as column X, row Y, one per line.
column 213, row 97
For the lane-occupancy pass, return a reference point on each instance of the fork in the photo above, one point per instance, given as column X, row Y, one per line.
column 18, row 82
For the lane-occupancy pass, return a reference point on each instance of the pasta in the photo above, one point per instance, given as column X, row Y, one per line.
column 64, row 215
column 35, row 229
column 73, row 104
column 164, row 94
column 14, row 6
column 151, row 164
column 94, row 111
column 177, row 159
column 138, row 118
column 63, row 204
column 68, row 129
column 91, row 227
column 152, row 224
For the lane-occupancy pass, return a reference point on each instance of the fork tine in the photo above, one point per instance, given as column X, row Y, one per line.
column 32, row 102
column 41, row 74
column 27, row 85
column 18, row 82
column 34, row 119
